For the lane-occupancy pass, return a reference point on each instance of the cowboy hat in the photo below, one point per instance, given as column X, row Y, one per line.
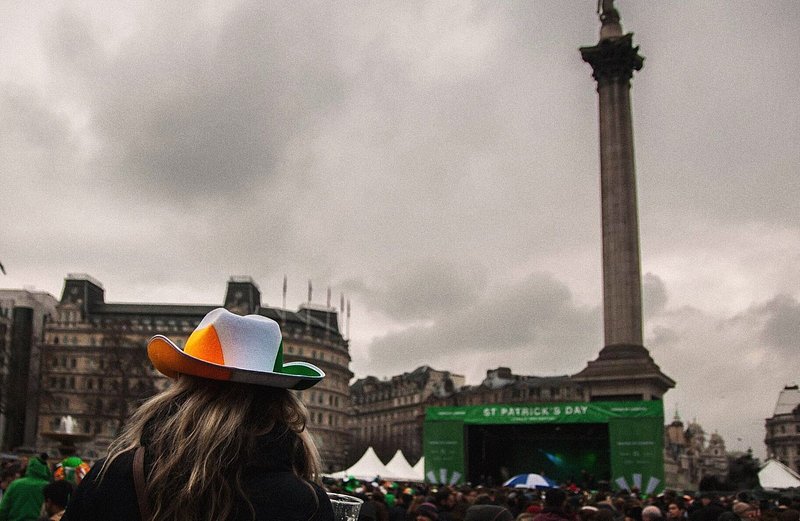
column 225, row 346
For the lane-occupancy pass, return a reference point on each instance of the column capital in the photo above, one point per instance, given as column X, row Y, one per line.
column 613, row 59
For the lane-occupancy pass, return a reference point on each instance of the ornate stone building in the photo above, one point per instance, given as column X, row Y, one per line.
column 502, row 386
column 388, row 414
column 688, row 458
column 95, row 366
column 783, row 429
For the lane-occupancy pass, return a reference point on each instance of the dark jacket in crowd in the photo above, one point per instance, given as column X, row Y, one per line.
column 275, row 492
column 710, row 512
column 552, row 514
column 488, row 513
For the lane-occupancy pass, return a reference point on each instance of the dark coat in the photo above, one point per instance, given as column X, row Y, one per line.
column 552, row 514
column 275, row 492
column 488, row 513
column 710, row 512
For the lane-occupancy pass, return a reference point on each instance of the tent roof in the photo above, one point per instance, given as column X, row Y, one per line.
column 367, row 467
column 419, row 468
column 776, row 475
column 399, row 469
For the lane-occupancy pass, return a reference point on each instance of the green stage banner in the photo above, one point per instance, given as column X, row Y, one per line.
column 635, row 431
column 444, row 442
column 567, row 412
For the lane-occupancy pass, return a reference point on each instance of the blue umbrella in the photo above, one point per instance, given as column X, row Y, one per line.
column 530, row 481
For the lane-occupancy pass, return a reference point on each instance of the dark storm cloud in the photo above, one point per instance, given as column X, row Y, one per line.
column 530, row 324
column 186, row 110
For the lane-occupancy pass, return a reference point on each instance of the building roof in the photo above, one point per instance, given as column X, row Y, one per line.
column 788, row 400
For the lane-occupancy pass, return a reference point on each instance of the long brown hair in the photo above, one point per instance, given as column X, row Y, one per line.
column 200, row 433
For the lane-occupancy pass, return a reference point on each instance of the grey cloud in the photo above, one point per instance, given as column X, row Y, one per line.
column 424, row 289
column 30, row 122
column 663, row 337
column 191, row 114
column 783, row 323
column 777, row 322
column 723, row 357
column 654, row 295
column 534, row 321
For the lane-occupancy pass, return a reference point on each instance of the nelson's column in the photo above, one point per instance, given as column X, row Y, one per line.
column 624, row 369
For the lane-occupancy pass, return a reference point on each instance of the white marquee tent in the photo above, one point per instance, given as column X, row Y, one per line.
column 366, row 468
column 775, row 475
column 419, row 469
column 399, row 469
column 369, row 466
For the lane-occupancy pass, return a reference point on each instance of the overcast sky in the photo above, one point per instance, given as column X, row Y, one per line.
column 436, row 162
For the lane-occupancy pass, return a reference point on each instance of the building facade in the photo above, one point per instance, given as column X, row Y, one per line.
column 95, row 366
column 688, row 458
column 783, row 429
column 388, row 414
column 23, row 313
column 502, row 386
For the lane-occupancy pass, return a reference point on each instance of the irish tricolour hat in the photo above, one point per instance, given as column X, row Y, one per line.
column 226, row 346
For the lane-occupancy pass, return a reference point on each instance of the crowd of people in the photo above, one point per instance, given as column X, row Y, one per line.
column 409, row 502
column 227, row 440
column 32, row 489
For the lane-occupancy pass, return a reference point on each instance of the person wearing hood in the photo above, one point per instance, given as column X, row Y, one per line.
column 24, row 497
column 227, row 440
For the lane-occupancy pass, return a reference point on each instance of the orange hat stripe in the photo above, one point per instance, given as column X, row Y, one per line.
column 170, row 362
column 205, row 345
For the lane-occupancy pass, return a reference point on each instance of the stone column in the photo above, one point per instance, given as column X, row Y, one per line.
column 613, row 60
column 624, row 369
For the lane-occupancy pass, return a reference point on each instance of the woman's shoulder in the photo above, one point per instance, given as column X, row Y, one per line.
column 284, row 495
column 109, row 494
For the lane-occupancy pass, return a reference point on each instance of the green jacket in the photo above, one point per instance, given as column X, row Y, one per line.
column 24, row 497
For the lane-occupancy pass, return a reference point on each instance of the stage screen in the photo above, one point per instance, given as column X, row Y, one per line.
column 563, row 452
